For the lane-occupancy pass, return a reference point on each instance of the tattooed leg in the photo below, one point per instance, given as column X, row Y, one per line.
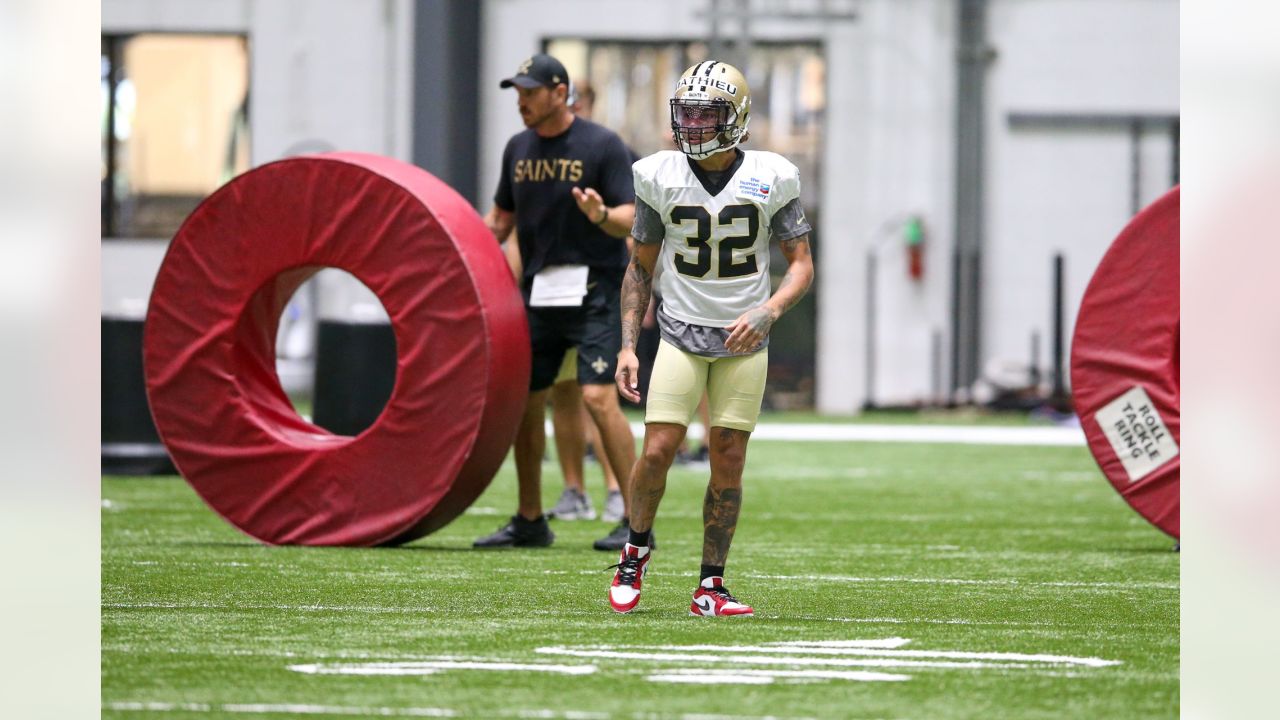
column 724, row 493
column 649, row 478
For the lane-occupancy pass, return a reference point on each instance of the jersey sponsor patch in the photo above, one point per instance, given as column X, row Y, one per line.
column 753, row 188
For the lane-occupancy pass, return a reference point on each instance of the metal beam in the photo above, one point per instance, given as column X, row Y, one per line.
column 446, row 82
column 973, row 55
column 822, row 10
column 1088, row 121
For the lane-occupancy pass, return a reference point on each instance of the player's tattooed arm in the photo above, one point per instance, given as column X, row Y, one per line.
column 752, row 327
column 799, row 277
column 637, row 289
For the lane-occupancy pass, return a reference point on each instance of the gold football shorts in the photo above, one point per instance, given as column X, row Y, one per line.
column 734, row 386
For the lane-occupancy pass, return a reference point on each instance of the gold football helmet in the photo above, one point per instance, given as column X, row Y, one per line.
column 710, row 109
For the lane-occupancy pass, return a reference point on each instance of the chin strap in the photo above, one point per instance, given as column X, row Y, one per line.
column 719, row 149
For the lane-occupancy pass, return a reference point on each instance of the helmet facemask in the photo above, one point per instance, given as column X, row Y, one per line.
column 702, row 128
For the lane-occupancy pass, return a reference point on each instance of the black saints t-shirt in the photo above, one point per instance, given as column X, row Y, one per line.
column 537, row 176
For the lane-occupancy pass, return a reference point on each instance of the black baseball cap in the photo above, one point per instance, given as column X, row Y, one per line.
column 539, row 70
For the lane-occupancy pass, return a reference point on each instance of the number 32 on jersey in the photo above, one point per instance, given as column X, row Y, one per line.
column 696, row 224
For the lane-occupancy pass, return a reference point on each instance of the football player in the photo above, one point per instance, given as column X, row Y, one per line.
column 705, row 216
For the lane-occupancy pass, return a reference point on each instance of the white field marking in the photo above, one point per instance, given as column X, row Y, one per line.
column 716, row 679
column 482, row 511
column 893, row 642
column 300, row 709
column 373, row 669
column 800, row 661
column 879, row 652
column 1137, row 585
column 766, row 660
column 949, row 621
column 962, row 434
column 230, row 652
column 762, row 677
column 713, row 716
column 562, row 714
column 281, row 709
column 922, row 621
column 287, row 709
column 432, row 667
column 306, row 608
column 1008, row 582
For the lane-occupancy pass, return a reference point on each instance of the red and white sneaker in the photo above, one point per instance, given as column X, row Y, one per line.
column 712, row 599
column 624, row 594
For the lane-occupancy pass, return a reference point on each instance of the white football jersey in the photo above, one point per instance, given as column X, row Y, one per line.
column 715, row 254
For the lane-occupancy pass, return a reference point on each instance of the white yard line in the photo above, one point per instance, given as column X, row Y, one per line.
column 893, row 642
column 280, row 709
column 798, row 661
column 237, row 606
column 1144, row 585
column 432, row 667
column 921, row 621
column 1051, row 436
column 890, row 579
column 306, row 709
column 765, row 677
column 962, row 434
column 694, row 658
column 716, row 679
column 558, row 715
column 881, row 652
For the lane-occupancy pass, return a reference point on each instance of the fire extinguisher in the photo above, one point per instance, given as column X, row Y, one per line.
column 913, row 233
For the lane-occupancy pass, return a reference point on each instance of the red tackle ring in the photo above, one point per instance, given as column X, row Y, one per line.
column 462, row 344
column 1124, row 364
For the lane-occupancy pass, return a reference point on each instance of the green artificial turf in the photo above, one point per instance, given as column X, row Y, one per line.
column 970, row 549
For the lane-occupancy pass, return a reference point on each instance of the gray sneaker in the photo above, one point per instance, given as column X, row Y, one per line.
column 613, row 508
column 573, row 505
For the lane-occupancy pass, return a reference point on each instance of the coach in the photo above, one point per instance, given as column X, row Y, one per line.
column 565, row 187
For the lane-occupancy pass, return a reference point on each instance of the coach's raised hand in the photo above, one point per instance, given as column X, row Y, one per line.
column 615, row 221
column 591, row 204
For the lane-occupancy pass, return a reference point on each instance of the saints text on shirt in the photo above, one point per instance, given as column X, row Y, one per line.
column 543, row 169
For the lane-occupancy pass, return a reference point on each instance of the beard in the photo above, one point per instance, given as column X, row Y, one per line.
column 532, row 118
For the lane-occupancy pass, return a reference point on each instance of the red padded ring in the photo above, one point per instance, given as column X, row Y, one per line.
column 1124, row 364
column 462, row 341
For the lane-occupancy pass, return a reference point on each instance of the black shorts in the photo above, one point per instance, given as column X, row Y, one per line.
column 594, row 328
